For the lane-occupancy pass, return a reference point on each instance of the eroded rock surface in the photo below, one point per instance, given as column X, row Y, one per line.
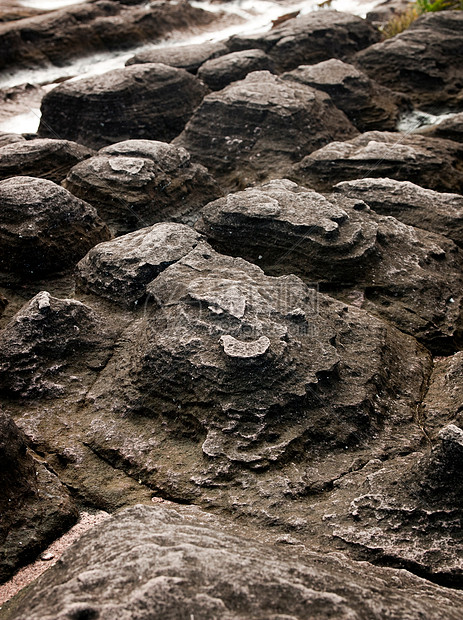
column 219, row 72
column 189, row 57
column 136, row 183
column 449, row 129
column 149, row 101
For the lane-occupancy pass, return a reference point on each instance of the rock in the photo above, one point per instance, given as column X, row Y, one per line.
column 35, row 507
column 257, row 127
column 411, row 204
column 47, row 159
column 120, row 270
column 367, row 104
column 219, row 72
column 136, row 183
column 349, row 251
column 449, row 129
column 3, row 304
column 41, row 341
column 188, row 57
column 151, row 101
column 10, row 138
column 187, row 564
column 430, row 162
column 310, row 38
column 386, row 10
column 59, row 36
column 423, row 61
column 43, row 228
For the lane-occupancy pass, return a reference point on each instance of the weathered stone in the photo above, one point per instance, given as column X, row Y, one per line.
column 257, row 127
column 311, row 38
column 35, row 507
column 189, row 57
column 367, row 104
column 151, row 101
column 47, row 158
column 156, row 562
column 43, row 228
column 424, row 61
column 449, row 129
column 10, row 138
column 408, row 276
column 411, row 204
column 136, row 183
column 40, row 343
column 430, row 162
column 120, row 270
column 3, row 304
column 219, row 72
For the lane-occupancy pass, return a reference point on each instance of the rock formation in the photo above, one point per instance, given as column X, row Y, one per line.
column 189, row 57
column 220, row 72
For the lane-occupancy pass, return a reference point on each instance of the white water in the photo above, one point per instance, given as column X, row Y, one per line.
column 49, row 5
column 417, row 119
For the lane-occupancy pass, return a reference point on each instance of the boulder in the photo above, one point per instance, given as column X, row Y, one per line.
column 48, row 158
column 189, row 57
column 187, row 564
column 35, row 507
column 424, row 61
column 367, row 104
column 43, row 228
column 348, row 250
column 219, row 72
column 136, row 183
column 120, row 270
column 430, row 162
column 449, row 129
column 257, row 127
column 311, row 38
column 10, row 138
column 424, row 208
column 151, row 101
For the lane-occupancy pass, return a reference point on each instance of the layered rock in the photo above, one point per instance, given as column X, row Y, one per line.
column 149, row 101
column 424, row 61
column 367, row 104
column 47, row 158
column 43, row 228
column 136, row 183
column 219, row 72
column 449, row 129
column 35, row 507
column 424, row 208
column 189, row 57
column 308, row 39
column 410, row 277
column 184, row 563
column 430, row 162
column 256, row 127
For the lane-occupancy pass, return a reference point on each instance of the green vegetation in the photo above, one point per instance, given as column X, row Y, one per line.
column 402, row 21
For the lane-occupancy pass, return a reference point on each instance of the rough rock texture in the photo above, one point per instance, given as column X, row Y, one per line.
column 424, row 61
column 367, row 104
column 449, row 129
column 3, row 304
column 187, row 564
column 38, row 345
column 429, row 162
column 35, row 507
column 444, row 398
column 411, row 204
column 256, row 127
column 311, row 38
column 10, row 138
column 189, row 57
column 61, row 35
column 120, row 270
column 220, row 72
column 410, row 277
column 151, row 101
column 43, row 228
column 136, row 183
column 48, row 158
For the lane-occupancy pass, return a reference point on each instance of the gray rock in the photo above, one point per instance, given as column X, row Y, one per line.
column 120, row 270
column 430, row 162
column 311, row 38
column 367, row 104
column 43, row 228
column 189, row 57
column 408, row 276
column 449, row 129
column 35, row 507
column 151, row 101
column 424, row 61
column 219, row 72
column 257, row 127
column 424, row 208
column 183, row 564
column 48, row 158
column 10, row 138
column 136, row 183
